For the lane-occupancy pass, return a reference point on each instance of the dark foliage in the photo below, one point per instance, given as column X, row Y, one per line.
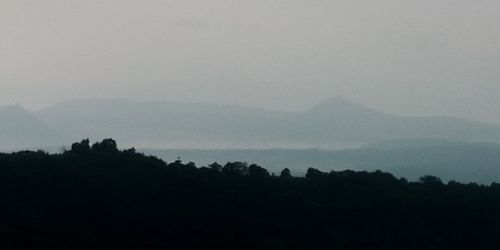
column 99, row 197
column 286, row 173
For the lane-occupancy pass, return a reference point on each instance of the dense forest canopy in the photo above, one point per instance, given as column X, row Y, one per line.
column 449, row 160
column 99, row 197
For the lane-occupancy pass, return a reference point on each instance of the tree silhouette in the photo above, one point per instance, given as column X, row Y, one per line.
column 257, row 171
column 314, row 173
column 235, row 168
column 286, row 173
column 81, row 147
column 107, row 145
column 215, row 167
column 431, row 180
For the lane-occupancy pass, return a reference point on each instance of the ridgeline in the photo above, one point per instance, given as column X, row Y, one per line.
column 99, row 197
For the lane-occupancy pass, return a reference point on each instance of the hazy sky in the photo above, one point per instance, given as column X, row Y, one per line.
column 408, row 57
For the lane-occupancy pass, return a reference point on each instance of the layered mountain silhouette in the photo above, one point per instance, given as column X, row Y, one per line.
column 336, row 122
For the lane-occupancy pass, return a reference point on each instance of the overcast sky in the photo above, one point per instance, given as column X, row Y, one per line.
column 419, row 57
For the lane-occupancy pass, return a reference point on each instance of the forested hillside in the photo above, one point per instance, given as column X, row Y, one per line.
column 99, row 197
column 411, row 159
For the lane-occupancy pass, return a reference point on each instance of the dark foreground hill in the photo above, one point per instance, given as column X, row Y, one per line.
column 98, row 197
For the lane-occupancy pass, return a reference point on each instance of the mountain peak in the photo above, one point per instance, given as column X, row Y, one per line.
column 16, row 114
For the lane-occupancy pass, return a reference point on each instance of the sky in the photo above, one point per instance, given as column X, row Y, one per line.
column 419, row 57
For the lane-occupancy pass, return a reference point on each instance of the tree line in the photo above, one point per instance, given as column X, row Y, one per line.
column 99, row 197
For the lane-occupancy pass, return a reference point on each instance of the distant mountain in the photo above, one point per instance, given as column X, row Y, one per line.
column 331, row 124
column 418, row 143
column 21, row 129
column 343, row 120
column 461, row 161
column 161, row 124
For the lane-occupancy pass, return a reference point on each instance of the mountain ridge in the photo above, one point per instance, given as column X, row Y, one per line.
column 328, row 124
column 20, row 128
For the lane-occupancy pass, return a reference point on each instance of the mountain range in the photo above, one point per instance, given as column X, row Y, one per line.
column 335, row 123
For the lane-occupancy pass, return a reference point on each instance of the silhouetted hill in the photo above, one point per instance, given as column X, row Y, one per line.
column 450, row 160
column 20, row 129
column 99, row 197
column 332, row 124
